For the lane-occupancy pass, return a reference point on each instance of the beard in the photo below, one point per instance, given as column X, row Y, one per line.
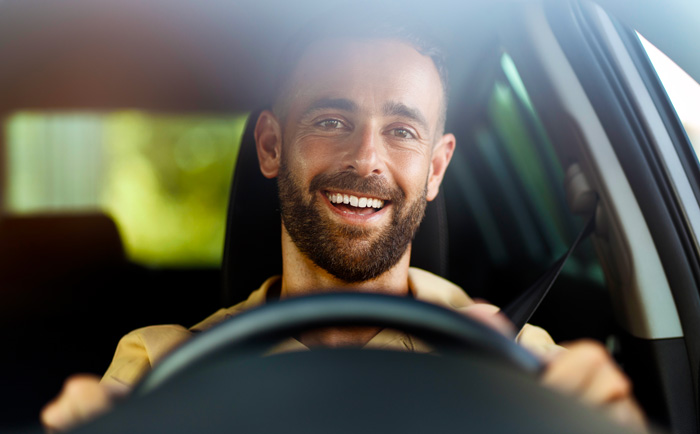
column 348, row 252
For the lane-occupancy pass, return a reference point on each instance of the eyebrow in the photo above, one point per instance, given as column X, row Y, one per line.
column 402, row 110
column 331, row 103
column 390, row 109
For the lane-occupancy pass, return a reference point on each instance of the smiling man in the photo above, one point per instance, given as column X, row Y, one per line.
column 357, row 155
column 356, row 142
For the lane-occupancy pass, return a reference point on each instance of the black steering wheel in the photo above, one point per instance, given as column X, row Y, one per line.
column 217, row 383
column 446, row 330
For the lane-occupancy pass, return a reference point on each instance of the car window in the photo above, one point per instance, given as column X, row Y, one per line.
column 508, row 176
column 163, row 178
column 682, row 90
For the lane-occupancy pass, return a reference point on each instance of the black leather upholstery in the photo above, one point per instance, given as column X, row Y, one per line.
column 252, row 251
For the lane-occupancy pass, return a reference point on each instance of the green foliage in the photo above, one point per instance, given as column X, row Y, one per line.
column 163, row 178
column 168, row 184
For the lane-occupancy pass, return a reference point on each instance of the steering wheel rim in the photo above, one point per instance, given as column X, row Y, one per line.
column 443, row 328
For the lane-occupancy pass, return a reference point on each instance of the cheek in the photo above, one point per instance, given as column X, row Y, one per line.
column 410, row 171
column 309, row 158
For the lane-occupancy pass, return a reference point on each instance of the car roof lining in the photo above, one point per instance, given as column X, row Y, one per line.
column 176, row 56
column 75, row 54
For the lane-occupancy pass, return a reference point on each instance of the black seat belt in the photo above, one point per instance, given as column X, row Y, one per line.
column 521, row 309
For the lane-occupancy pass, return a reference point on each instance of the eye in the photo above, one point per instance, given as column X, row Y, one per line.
column 330, row 124
column 402, row 133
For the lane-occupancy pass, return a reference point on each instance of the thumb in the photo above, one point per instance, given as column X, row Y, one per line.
column 491, row 316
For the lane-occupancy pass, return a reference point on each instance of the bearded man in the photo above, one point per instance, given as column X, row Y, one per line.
column 356, row 141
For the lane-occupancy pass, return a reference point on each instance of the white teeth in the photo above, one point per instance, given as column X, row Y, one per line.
column 361, row 202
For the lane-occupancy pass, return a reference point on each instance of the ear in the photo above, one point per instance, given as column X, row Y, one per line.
column 442, row 154
column 268, row 142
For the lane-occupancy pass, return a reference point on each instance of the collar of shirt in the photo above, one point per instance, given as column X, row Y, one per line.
column 423, row 285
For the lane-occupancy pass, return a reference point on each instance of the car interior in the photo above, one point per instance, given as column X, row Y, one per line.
column 558, row 114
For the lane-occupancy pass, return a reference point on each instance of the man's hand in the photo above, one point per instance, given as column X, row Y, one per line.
column 491, row 316
column 588, row 372
column 583, row 368
column 82, row 398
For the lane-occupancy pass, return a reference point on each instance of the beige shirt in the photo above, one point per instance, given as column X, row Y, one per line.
column 139, row 350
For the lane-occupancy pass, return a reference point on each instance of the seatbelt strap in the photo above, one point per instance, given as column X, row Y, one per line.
column 521, row 309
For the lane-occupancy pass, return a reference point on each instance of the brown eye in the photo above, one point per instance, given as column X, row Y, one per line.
column 330, row 124
column 403, row 133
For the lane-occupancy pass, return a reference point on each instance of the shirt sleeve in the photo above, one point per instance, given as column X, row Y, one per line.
column 139, row 350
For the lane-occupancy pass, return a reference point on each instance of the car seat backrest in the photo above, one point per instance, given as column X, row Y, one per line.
column 43, row 257
column 252, row 249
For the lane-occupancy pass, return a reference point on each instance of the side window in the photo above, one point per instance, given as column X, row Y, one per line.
column 682, row 90
column 512, row 189
column 164, row 179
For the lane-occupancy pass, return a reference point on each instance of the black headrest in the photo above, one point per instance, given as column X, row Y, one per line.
column 252, row 249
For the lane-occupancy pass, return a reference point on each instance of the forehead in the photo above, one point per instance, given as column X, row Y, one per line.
column 369, row 72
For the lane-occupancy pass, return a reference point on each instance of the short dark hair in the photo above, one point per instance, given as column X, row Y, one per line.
column 363, row 21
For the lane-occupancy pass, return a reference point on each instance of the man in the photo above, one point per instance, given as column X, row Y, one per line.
column 356, row 142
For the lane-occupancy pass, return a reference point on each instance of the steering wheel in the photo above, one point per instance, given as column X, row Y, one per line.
column 446, row 330
column 217, row 383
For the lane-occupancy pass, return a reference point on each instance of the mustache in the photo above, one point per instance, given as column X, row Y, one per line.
column 373, row 185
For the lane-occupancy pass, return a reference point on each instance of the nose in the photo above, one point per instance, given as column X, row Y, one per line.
column 365, row 154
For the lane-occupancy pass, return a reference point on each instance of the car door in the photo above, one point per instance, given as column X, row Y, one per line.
column 623, row 134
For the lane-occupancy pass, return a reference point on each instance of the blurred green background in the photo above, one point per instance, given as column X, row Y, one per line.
column 163, row 178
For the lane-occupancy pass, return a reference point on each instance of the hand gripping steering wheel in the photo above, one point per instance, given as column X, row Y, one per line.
column 217, row 383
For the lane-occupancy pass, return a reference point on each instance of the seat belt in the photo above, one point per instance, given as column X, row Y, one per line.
column 521, row 309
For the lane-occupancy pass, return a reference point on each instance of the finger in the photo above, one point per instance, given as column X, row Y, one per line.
column 491, row 316
column 572, row 371
column 51, row 417
column 481, row 301
column 586, row 370
column 81, row 398
column 539, row 342
column 57, row 414
column 607, row 384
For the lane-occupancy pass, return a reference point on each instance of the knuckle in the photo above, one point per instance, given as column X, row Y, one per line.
column 594, row 353
column 79, row 386
column 46, row 416
column 621, row 387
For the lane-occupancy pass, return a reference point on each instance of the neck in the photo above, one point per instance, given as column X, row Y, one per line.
column 300, row 276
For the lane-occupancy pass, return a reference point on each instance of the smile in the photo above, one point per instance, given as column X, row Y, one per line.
column 358, row 202
column 352, row 204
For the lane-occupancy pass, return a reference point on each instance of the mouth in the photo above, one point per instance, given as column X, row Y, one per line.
column 355, row 204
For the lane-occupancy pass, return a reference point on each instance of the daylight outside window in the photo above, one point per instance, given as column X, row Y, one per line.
column 682, row 90
column 164, row 179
